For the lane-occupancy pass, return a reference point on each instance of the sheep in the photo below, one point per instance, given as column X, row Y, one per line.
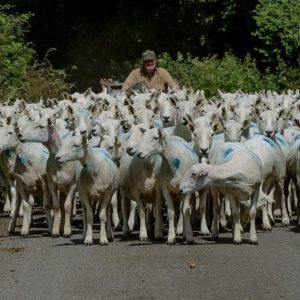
column 97, row 180
column 177, row 157
column 60, row 178
column 30, row 175
column 236, row 184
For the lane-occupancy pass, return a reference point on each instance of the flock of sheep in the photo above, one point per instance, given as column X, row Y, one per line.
column 182, row 160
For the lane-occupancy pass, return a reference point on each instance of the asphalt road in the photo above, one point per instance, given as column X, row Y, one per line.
column 41, row 267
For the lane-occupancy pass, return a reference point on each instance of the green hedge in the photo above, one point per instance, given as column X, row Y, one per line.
column 227, row 74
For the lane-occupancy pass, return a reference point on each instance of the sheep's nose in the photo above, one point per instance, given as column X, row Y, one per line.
column 166, row 119
column 269, row 132
column 20, row 135
column 57, row 158
column 204, row 150
column 83, row 131
column 181, row 191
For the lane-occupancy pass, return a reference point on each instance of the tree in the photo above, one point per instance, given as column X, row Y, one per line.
column 278, row 31
column 15, row 52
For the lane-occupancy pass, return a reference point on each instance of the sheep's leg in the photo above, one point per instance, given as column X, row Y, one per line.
column 28, row 202
column 12, row 223
column 223, row 221
column 132, row 215
column 87, row 214
column 102, row 216
column 47, row 207
column 280, row 194
column 179, row 227
column 237, row 240
column 171, row 215
column 74, row 212
column 158, row 215
column 7, row 205
column 265, row 218
column 203, row 225
column 149, row 217
column 215, row 224
column 270, row 208
column 252, row 213
column 115, row 214
column 141, row 208
column 109, row 231
column 62, row 200
column 227, row 207
column 55, row 208
column 68, row 209
column 186, row 212
column 125, row 202
column 194, row 208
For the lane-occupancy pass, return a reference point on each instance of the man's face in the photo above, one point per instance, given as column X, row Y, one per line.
column 149, row 65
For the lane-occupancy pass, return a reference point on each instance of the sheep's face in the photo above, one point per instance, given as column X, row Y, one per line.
column 193, row 180
column 151, row 143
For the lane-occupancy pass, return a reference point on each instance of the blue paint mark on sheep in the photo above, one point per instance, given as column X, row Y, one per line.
column 270, row 142
column 176, row 163
column 102, row 151
column 297, row 137
column 228, row 151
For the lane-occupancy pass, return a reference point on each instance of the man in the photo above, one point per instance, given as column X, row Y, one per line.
column 150, row 75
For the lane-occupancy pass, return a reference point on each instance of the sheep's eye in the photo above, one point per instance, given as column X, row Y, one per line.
column 75, row 146
column 10, row 133
column 110, row 147
column 156, row 137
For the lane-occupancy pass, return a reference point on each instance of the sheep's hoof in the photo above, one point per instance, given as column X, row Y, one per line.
column 159, row 237
column 144, row 239
column 110, row 239
column 215, row 238
column 253, row 242
column 55, row 235
column 237, row 242
column 24, row 235
column 103, row 243
column 285, row 224
column 88, row 242
column 171, row 242
column 67, row 236
column 10, row 233
column 267, row 228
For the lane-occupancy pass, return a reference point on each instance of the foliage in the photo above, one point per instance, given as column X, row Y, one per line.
column 42, row 80
column 22, row 75
column 15, row 52
column 278, row 30
column 228, row 74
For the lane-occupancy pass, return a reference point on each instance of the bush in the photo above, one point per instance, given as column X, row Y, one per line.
column 210, row 74
column 42, row 80
column 15, row 53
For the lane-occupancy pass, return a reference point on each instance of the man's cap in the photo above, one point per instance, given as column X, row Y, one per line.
column 148, row 54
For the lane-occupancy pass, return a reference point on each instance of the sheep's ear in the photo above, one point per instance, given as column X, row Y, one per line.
column 84, row 140
column 173, row 101
column 131, row 109
column 70, row 109
column 281, row 112
column 87, row 92
column 17, row 128
column 156, row 110
column 117, row 141
column 22, row 105
column 161, row 133
column 191, row 126
column 93, row 108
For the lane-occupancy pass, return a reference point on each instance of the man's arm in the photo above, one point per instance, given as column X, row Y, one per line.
column 169, row 81
column 130, row 81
